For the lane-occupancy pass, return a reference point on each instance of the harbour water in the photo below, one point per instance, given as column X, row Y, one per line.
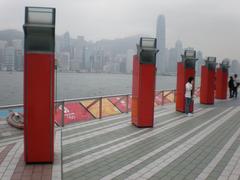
column 77, row 85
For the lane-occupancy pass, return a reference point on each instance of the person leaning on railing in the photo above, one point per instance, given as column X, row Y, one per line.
column 188, row 95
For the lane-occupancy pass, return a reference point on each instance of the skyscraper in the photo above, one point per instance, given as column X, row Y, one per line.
column 174, row 57
column 179, row 50
column 66, row 42
column 3, row 45
column 18, row 45
column 161, row 45
column 9, row 58
column 130, row 54
column 199, row 62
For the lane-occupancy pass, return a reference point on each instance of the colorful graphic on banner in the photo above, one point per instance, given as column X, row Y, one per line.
column 119, row 102
column 73, row 112
column 92, row 106
column 197, row 92
column 158, row 99
column 168, row 97
column 108, row 108
column 89, row 109
column 164, row 97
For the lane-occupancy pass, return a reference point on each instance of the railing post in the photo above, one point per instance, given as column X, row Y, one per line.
column 62, row 104
column 162, row 98
column 100, row 108
column 127, row 99
column 174, row 95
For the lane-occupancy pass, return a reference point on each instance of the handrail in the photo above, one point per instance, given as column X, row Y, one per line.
column 80, row 99
column 11, row 106
column 98, row 110
column 107, row 96
column 89, row 98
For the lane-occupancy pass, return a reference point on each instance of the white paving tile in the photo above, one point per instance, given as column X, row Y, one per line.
column 232, row 165
column 57, row 166
column 205, row 173
column 10, row 162
column 202, row 134
column 79, row 162
column 76, row 137
column 121, row 138
column 100, row 121
column 103, row 128
column 164, row 158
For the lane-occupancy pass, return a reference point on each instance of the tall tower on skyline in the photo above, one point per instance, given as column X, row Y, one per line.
column 179, row 49
column 161, row 44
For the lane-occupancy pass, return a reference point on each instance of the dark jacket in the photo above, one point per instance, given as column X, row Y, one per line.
column 230, row 84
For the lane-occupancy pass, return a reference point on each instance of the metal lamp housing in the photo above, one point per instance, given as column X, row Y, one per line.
column 39, row 29
column 211, row 63
column 225, row 65
column 147, row 50
column 189, row 58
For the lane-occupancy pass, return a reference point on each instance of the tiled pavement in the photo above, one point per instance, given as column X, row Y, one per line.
column 205, row 146
column 12, row 165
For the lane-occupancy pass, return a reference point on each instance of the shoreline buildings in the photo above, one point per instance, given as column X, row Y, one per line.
column 104, row 56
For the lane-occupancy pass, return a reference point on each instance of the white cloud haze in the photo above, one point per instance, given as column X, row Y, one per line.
column 210, row 25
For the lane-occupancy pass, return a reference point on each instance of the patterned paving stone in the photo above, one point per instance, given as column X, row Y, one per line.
column 205, row 146
column 95, row 158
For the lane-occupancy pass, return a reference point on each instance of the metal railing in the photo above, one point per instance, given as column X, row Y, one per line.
column 97, row 100
column 96, row 107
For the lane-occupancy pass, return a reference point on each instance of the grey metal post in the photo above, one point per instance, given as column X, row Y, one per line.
column 162, row 98
column 62, row 113
column 100, row 108
column 127, row 98
column 174, row 95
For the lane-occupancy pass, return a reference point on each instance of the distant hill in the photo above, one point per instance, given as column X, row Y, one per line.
column 114, row 46
column 119, row 45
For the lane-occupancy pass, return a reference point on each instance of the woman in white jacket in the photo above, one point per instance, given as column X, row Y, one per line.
column 188, row 95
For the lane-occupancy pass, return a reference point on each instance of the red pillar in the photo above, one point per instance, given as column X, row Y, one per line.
column 185, row 70
column 221, row 83
column 143, row 86
column 143, row 93
column 39, row 65
column 208, row 81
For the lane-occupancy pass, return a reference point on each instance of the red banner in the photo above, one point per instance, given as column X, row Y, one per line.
column 73, row 112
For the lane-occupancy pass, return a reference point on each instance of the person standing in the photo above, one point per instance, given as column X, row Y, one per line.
column 188, row 95
column 235, row 86
column 231, row 87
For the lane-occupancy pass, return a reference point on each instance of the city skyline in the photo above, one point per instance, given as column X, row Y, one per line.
column 79, row 55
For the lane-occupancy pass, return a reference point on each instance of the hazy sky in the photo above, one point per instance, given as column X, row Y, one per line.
column 210, row 25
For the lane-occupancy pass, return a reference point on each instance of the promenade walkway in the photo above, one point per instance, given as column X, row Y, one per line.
column 205, row 146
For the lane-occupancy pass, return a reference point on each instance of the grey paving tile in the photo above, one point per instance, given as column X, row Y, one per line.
column 179, row 177
column 190, row 177
column 198, row 159
column 165, row 178
column 211, row 178
column 192, row 158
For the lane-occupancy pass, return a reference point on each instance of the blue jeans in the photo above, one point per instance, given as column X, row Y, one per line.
column 187, row 104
